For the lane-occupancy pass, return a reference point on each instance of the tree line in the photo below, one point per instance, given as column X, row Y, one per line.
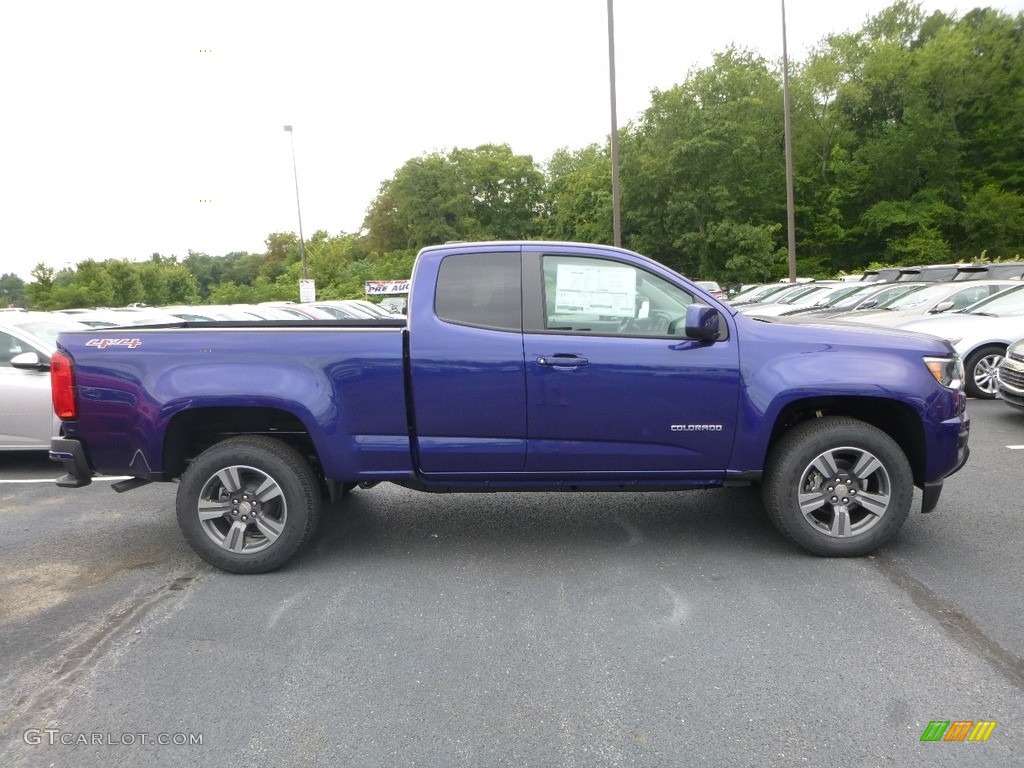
column 908, row 149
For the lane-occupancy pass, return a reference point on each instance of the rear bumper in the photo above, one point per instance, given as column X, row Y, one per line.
column 71, row 454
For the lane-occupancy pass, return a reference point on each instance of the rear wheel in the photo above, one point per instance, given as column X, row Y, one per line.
column 837, row 486
column 980, row 368
column 248, row 504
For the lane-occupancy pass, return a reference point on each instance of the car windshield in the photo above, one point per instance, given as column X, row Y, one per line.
column 852, row 299
column 809, row 297
column 838, row 294
column 46, row 327
column 923, row 297
column 893, row 292
column 760, row 294
column 1009, row 302
column 786, row 294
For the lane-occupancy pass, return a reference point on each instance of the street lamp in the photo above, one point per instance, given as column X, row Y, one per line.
column 302, row 241
column 616, row 193
column 788, row 130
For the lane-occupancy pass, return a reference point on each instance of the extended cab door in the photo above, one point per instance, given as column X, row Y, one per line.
column 613, row 383
column 466, row 363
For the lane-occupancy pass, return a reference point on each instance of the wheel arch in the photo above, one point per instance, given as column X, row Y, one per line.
column 192, row 431
column 898, row 420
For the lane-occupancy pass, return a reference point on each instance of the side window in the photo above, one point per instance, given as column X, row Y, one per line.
column 483, row 290
column 10, row 348
column 968, row 296
column 609, row 298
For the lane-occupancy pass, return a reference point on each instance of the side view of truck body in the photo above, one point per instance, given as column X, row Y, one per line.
column 522, row 366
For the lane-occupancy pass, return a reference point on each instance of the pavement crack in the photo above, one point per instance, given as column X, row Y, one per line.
column 76, row 662
column 956, row 623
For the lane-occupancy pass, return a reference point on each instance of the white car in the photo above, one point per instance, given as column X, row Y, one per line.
column 933, row 299
column 980, row 334
column 27, row 420
column 1011, row 376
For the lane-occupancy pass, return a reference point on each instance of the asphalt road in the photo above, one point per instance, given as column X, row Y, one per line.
column 522, row 630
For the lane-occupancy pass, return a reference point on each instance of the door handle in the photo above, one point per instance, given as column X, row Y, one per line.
column 563, row 362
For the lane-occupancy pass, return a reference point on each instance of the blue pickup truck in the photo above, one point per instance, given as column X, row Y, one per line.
column 522, row 366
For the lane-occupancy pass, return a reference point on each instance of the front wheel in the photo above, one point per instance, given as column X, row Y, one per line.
column 980, row 368
column 837, row 486
column 248, row 504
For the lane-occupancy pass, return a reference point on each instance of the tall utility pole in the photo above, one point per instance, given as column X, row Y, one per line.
column 616, row 193
column 295, row 170
column 788, row 129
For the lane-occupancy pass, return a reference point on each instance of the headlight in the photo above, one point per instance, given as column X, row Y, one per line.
column 948, row 371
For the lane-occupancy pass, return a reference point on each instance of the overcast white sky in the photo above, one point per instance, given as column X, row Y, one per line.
column 136, row 127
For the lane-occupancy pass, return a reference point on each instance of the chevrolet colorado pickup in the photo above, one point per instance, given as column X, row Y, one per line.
column 522, row 366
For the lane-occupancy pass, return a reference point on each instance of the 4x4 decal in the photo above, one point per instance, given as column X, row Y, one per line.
column 104, row 343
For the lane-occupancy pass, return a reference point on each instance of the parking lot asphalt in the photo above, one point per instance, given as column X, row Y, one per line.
column 513, row 629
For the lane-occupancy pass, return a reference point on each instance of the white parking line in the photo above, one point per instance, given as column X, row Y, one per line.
column 112, row 478
column 1016, row 447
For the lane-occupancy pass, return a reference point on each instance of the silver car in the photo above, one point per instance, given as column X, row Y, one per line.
column 27, row 339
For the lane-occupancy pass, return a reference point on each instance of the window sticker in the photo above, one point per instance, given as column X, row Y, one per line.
column 591, row 289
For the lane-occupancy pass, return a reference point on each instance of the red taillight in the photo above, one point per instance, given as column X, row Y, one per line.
column 62, row 385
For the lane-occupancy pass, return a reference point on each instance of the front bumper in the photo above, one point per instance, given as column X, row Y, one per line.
column 1010, row 380
column 71, row 454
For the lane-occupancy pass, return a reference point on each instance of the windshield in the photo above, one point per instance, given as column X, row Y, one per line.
column 920, row 298
column 760, row 294
column 852, row 299
column 1009, row 302
column 808, row 297
column 46, row 327
column 841, row 293
column 893, row 292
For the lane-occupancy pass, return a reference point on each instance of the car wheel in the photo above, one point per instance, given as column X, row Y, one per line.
column 248, row 504
column 839, row 487
column 981, row 366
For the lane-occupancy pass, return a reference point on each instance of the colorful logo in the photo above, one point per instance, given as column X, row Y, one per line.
column 958, row 730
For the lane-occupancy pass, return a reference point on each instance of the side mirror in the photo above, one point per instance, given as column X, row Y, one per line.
column 869, row 304
column 30, row 361
column 702, row 322
column 942, row 306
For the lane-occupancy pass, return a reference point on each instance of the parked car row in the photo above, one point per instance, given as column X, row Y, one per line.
column 979, row 317
column 346, row 309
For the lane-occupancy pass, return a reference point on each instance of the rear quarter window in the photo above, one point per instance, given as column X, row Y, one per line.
column 483, row 290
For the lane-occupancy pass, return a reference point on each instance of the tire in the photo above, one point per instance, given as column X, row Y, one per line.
column 980, row 370
column 874, row 479
column 248, row 504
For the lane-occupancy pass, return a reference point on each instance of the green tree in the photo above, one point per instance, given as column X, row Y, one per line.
column 579, row 195
column 994, row 222
column 468, row 194
column 125, row 281
column 12, row 291
column 705, row 152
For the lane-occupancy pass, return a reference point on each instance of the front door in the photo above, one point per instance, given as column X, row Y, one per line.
column 614, row 386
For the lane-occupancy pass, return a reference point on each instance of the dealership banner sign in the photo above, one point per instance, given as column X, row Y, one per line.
column 386, row 286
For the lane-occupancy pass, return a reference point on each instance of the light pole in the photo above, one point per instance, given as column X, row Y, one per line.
column 788, row 129
column 302, row 240
column 616, row 192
